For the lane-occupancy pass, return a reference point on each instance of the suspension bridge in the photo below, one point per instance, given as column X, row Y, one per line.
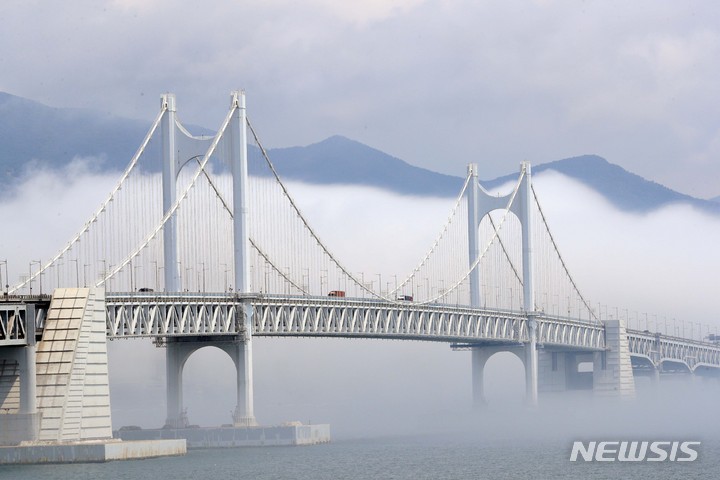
column 190, row 250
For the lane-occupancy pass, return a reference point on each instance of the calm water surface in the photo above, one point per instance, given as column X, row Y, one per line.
column 420, row 457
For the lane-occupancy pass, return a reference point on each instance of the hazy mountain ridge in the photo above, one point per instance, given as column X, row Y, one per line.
column 32, row 132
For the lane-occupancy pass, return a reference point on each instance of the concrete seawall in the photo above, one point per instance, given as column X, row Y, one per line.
column 228, row 437
column 90, row 452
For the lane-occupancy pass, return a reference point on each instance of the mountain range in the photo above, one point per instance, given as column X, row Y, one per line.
column 32, row 133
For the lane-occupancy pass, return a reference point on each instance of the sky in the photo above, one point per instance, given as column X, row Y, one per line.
column 436, row 83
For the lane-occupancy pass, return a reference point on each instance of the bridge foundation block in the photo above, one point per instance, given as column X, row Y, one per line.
column 612, row 368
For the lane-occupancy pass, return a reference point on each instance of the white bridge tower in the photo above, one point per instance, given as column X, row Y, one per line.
column 480, row 204
column 178, row 148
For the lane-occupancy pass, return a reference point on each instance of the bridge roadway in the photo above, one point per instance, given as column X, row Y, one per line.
column 678, row 354
column 160, row 314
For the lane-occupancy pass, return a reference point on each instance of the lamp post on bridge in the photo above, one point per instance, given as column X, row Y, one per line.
column 39, row 264
column 362, row 279
column 157, row 275
column 103, row 272
column 137, row 277
column 306, row 280
column 7, row 280
column 322, row 287
column 287, row 281
column 111, row 278
column 267, row 278
column 202, row 264
column 187, row 277
column 57, row 266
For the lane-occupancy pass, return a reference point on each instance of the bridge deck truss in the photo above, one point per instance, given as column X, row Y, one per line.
column 156, row 315
column 14, row 328
column 659, row 349
column 322, row 317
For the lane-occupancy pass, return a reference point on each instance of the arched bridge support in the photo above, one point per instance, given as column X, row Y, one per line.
column 480, row 356
column 180, row 349
column 480, row 204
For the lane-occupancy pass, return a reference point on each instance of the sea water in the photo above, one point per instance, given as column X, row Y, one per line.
column 431, row 457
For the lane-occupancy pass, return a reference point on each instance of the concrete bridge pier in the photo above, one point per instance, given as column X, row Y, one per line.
column 176, row 354
column 28, row 380
column 560, row 370
column 179, row 351
column 612, row 368
column 480, row 356
column 531, row 364
column 242, row 356
column 19, row 418
column 655, row 376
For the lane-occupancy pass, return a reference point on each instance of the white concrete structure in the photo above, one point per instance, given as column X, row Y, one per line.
column 91, row 452
column 612, row 369
column 73, row 394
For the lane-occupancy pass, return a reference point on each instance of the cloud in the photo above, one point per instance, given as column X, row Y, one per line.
column 662, row 263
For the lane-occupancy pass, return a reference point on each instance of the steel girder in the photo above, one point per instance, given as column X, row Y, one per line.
column 153, row 315
column 14, row 329
column 191, row 314
column 143, row 315
column 659, row 348
column 319, row 316
column 160, row 314
column 13, row 325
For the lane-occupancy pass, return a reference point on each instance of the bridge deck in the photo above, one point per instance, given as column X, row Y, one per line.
column 156, row 314
column 151, row 314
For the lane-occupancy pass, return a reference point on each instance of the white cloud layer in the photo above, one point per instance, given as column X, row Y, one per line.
column 663, row 263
